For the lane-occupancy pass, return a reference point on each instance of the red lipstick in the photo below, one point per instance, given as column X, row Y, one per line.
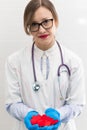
column 43, row 36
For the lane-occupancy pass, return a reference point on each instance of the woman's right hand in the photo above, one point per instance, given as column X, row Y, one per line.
column 27, row 121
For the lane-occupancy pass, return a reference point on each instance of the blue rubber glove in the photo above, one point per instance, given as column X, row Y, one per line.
column 27, row 122
column 52, row 127
column 43, row 128
column 55, row 115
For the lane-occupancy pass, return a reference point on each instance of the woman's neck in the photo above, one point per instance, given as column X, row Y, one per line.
column 45, row 47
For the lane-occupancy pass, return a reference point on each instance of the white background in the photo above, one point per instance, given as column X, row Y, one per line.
column 72, row 32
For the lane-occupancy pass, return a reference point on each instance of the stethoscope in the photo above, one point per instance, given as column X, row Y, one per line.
column 36, row 85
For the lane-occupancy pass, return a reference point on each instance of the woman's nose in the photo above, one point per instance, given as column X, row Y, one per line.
column 41, row 29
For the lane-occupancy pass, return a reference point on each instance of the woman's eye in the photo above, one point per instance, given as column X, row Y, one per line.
column 34, row 24
column 46, row 21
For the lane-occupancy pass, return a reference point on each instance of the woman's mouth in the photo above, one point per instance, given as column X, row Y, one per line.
column 43, row 36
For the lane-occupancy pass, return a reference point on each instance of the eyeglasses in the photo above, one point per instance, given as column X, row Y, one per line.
column 46, row 24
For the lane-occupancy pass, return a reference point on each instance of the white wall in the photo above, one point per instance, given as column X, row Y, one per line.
column 72, row 33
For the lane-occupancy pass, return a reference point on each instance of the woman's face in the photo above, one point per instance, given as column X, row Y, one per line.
column 44, row 37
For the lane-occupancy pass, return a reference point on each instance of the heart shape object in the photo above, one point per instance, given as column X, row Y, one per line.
column 43, row 120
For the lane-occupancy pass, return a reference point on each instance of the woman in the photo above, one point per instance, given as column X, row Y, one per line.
column 44, row 77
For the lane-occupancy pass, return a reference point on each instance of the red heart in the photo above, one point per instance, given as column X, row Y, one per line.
column 35, row 119
column 43, row 120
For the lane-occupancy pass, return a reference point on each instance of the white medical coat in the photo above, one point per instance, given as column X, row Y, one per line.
column 20, row 80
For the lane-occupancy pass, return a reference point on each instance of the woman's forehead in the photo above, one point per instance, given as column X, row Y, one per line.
column 42, row 13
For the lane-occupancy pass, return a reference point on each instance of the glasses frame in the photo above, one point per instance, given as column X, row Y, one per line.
column 41, row 24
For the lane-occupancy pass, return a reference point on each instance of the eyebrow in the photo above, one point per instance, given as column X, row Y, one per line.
column 41, row 20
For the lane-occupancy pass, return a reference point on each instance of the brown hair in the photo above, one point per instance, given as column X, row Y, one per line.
column 30, row 9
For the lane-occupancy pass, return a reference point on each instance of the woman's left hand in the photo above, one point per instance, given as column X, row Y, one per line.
column 55, row 115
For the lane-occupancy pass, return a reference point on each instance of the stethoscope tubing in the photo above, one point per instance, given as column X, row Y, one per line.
column 58, row 72
column 33, row 64
column 62, row 62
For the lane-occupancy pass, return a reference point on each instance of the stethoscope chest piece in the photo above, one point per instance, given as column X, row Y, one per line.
column 36, row 86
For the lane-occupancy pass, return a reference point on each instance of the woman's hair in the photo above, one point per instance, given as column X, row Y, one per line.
column 30, row 9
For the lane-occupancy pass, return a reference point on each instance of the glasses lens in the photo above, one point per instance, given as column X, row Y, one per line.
column 34, row 27
column 48, row 23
